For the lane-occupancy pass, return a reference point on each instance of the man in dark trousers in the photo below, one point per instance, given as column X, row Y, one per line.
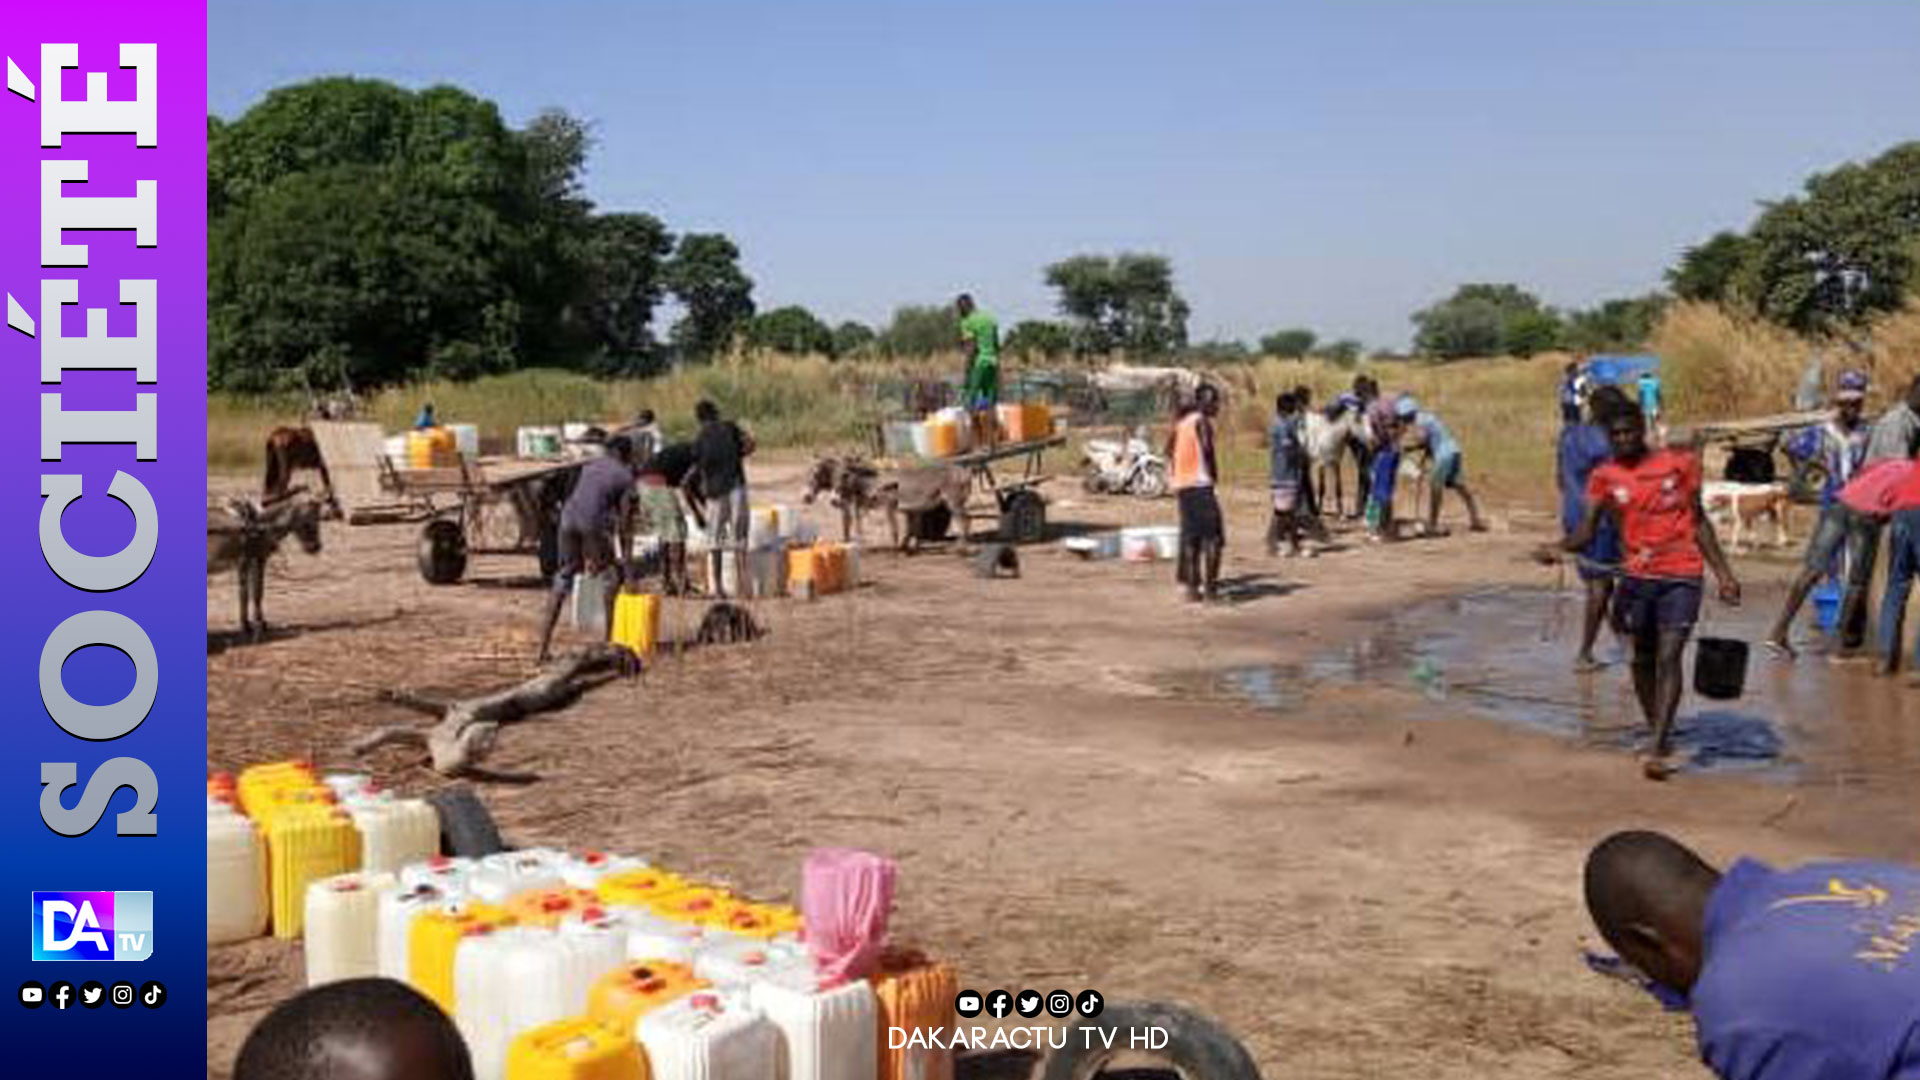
column 592, row 525
column 720, row 453
column 1653, row 496
column 1195, row 471
column 1809, row 973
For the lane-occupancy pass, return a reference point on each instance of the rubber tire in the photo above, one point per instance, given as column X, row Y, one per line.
column 1151, row 483
column 1197, row 1047
column 443, row 552
column 930, row 526
column 466, row 828
column 1023, row 517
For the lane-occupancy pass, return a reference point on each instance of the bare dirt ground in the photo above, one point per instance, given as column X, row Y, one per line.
column 1372, row 884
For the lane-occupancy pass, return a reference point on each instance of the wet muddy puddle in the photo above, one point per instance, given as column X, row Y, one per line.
column 1505, row 654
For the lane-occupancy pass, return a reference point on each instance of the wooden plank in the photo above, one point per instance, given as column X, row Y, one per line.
column 1758, row 425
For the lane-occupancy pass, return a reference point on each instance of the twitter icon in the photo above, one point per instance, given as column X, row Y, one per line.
column 92, row 994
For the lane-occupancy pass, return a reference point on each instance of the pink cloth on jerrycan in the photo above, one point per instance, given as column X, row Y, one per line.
column 846, row 896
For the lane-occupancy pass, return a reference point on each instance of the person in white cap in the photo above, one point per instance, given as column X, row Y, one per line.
column 1841, row 448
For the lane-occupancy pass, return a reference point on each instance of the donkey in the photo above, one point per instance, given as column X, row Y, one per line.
column 1327, row 441
column 858, row 487
column 242, row 535
column 290, row 448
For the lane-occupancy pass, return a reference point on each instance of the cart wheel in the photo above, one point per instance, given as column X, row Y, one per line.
column 1197, row 1048
column 443, row 552
column 1023, row 517
column 930, row 526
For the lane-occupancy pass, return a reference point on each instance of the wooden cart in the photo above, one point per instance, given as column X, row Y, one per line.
column 492, row 505
column 1018, row 505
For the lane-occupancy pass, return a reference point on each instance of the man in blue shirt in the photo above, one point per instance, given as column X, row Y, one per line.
column 1811, row 973
column 1582, row 448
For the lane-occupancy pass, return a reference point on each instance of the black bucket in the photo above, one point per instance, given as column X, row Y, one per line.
column 1720, row 668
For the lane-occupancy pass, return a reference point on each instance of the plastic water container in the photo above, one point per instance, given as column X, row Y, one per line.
column 574, row 1049
column 261, row 787
column 636, row 622
column 767, row 571
column 237, row 897
column 554, row 978
column 826, row 1034
column 398, row 908
column 395, row 448
column 550, row 907
column 1026, row 421
column 447, row 873
column 484, row 990
column 759, row 922
column 343, row 926
column 590, row 601
column 853, row 549
column 922, row 439
column 622, row 996
column 498, row 877
column 914, row 994
column 740, row 962
column 962, row 424
column 697, row 904
column 432, row 448
column 574, row 431
column 639, row 888
column 466, row 440
column 433, row 941
column 394, row 832
column 1826, row 607
column 943, row 438
column 584, row 870
column 655, row 937
column 349, row 785
column 709, row 1035
column 763, row 527
column 538, row 442
column 305, row 844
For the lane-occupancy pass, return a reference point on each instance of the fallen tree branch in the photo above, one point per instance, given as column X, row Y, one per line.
column 468, row 727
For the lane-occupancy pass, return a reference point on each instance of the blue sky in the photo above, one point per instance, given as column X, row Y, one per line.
column 1334, row 165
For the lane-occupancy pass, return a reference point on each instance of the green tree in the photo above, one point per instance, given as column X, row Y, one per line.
column 1473, row 321
column 624, row 280
column 1528, row 333
column 1345, row 352
column 1123, row 302
column 1294, row 343
column 1217, row 352
column 1616, row 325
column 1707, row 271
column 792, row 330
column 361, row 231
column 706, row 278
column 1038, row 337
column 853, row 338
column 921, row 330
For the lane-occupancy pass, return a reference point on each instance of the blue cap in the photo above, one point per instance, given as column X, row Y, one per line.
column 1852, row 386
column 1406, row 406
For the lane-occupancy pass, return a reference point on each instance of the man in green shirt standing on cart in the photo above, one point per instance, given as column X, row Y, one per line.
column 981, row 337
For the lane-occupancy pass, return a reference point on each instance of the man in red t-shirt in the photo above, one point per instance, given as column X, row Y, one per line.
column 1654, row 498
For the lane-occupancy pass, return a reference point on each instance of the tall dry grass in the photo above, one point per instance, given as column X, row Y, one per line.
column 1503, row 411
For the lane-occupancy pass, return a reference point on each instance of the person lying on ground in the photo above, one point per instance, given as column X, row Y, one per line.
column 1583, row 448
column 1654, row 499
column 593, row 524
column 1797, row 974
column 1446, row 469
column 357, row 1029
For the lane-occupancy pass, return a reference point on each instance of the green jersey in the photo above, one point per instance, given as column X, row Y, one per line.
column 983, row 333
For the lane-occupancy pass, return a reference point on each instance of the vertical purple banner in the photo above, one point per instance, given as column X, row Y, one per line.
column 103, row 263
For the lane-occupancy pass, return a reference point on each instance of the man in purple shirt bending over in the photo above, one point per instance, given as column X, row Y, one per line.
column 1811, row 973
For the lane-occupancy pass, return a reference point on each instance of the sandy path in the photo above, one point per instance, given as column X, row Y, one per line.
column 1371, row 886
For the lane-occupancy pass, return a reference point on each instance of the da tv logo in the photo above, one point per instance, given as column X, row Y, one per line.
column 92, row 925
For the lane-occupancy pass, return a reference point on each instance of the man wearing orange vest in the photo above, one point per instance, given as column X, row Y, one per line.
column 1202, row 532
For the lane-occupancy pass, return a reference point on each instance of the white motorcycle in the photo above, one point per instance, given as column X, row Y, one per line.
column 1132, row 467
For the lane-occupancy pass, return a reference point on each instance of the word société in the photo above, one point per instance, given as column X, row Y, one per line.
column 95, row 351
